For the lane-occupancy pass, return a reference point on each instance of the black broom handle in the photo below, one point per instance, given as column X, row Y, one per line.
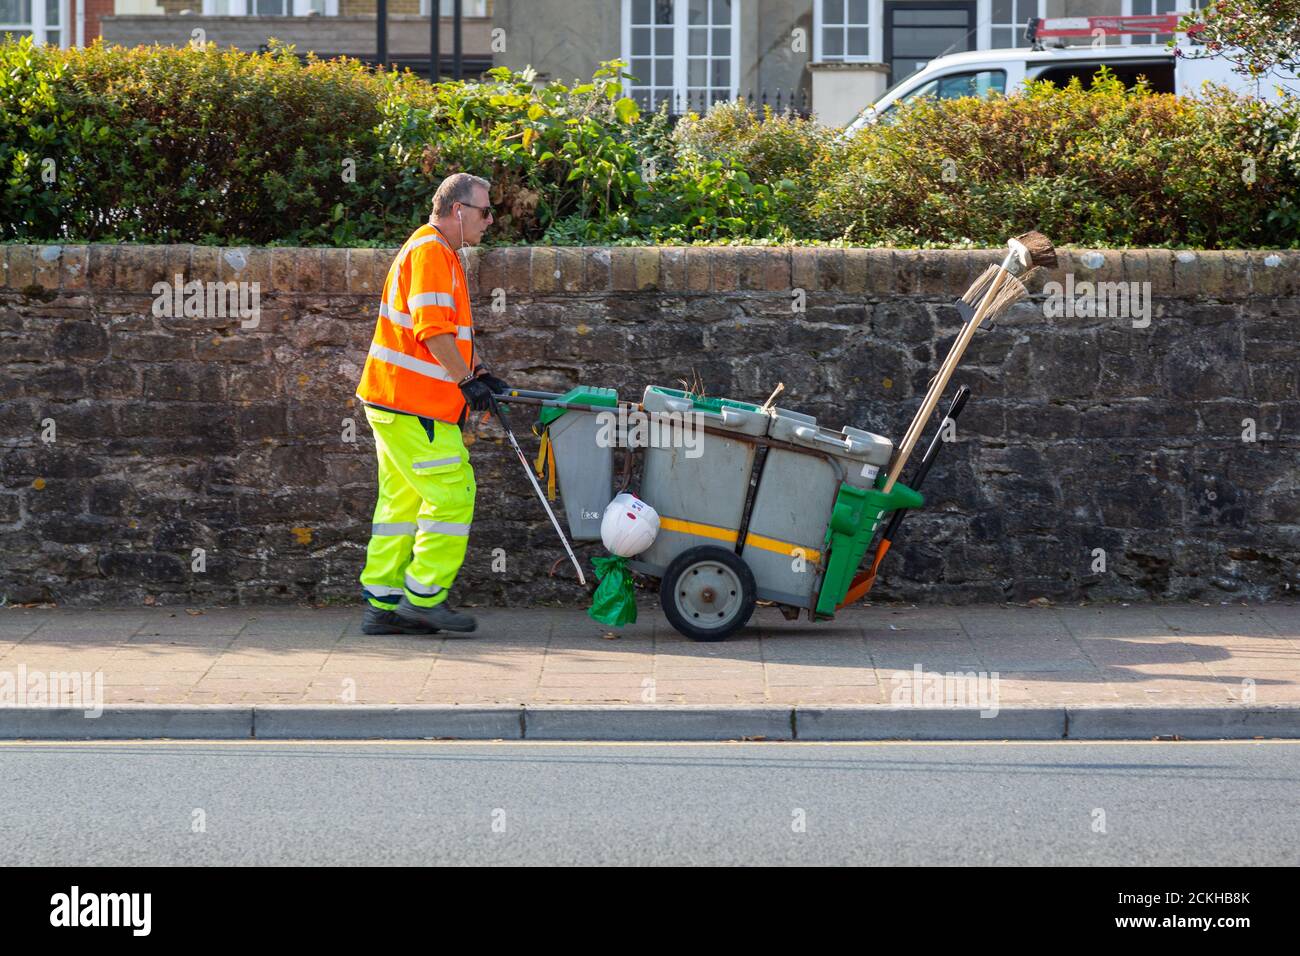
column 958, row 402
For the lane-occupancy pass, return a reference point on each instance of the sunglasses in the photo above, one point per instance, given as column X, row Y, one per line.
column 485, row 211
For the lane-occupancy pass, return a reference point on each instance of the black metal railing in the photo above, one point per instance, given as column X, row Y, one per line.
column 473, row 66
column 779, row 100
column 782, row 101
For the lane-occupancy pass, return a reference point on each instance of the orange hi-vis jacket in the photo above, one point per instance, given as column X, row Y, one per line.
column 425, row 294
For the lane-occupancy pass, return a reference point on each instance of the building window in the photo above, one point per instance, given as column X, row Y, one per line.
column 682, row 52
column 842, row 30
column 916, row 33
column 270, row 8
column 1150, row 7
column 468, row 8
column 1008, row 19
column 42, row 20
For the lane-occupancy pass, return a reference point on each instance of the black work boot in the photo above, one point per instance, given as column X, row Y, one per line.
column 379, row 621
column 440, row 616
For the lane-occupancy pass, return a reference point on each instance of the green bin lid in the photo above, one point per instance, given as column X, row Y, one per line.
column 704, row 403
column 581, row 395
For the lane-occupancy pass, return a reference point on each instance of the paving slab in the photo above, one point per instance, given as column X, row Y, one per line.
column 1107, row 658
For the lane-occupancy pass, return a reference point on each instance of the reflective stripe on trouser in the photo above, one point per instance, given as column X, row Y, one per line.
column 422, row 518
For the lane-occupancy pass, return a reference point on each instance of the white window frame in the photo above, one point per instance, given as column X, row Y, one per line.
column 681, row 40
column 1182, row 6
column 984, row 31
column 37, row 26
column 875, row 34
column 468, row 8
column 240, row 8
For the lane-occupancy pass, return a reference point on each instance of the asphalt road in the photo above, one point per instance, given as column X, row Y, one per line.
column 752, row 803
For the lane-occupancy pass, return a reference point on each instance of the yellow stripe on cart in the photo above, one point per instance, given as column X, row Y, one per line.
column 783, row 547
column 696, row 528
column 729, row 536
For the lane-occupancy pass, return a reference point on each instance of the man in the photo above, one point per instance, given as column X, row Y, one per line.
column 421, row 380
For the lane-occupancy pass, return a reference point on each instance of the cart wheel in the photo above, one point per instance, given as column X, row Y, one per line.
column 707, row 593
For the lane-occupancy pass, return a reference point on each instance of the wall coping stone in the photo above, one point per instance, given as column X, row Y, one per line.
column 597, row 270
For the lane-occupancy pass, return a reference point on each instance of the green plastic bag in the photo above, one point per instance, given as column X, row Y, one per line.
column 615, row 600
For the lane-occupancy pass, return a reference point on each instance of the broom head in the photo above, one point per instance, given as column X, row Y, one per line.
column 1012, row 291
column 1033, row 249
column 976, row 292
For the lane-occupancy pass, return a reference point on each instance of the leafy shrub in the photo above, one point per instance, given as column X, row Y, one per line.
column 781, row 150
column 772, row 146
column 1100, row 165
column 552, row 152
column 161, row 144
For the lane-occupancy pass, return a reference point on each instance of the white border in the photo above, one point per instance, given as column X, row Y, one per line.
column 876, row 30
column 424, row 8
column 680, row 40
column 1126, row 10
column 239, row 8
column 984, row 15
column 38, row 27
column 875, row 33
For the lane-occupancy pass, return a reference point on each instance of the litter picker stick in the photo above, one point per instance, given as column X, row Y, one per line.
column 582, row 579
column 862, row 585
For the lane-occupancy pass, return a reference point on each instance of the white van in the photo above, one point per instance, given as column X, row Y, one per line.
column 982, row 72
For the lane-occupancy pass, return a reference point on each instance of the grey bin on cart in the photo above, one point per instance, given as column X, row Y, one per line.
column 709, row 490
column 796, row 493
column 584, row 469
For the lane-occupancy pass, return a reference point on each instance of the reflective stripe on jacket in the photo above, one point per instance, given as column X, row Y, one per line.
column 425, row 294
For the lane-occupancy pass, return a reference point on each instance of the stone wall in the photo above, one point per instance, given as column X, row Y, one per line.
column 131, row 439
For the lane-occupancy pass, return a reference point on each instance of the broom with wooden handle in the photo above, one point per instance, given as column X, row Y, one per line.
column 1000, row 292
column 1025, row 253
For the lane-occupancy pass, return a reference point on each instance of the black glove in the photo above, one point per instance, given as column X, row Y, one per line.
column 498, row 387
column 478, row 394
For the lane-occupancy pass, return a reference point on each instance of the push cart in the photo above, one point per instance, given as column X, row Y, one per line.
column 769, row 506
column 755, row 504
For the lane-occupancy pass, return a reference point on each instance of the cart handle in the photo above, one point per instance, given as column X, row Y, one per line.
column 685, row 405
column 727, row 415
column 527, row 393
column 846, row 442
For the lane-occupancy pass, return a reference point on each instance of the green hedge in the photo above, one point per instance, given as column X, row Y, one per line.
column 159, row 144
column 1100, row 166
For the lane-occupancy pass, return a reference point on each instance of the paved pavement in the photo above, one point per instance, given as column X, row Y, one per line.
column 1147, row 655
column 1181, row 804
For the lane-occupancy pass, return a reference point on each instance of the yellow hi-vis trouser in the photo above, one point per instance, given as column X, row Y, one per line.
column 422, row 518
